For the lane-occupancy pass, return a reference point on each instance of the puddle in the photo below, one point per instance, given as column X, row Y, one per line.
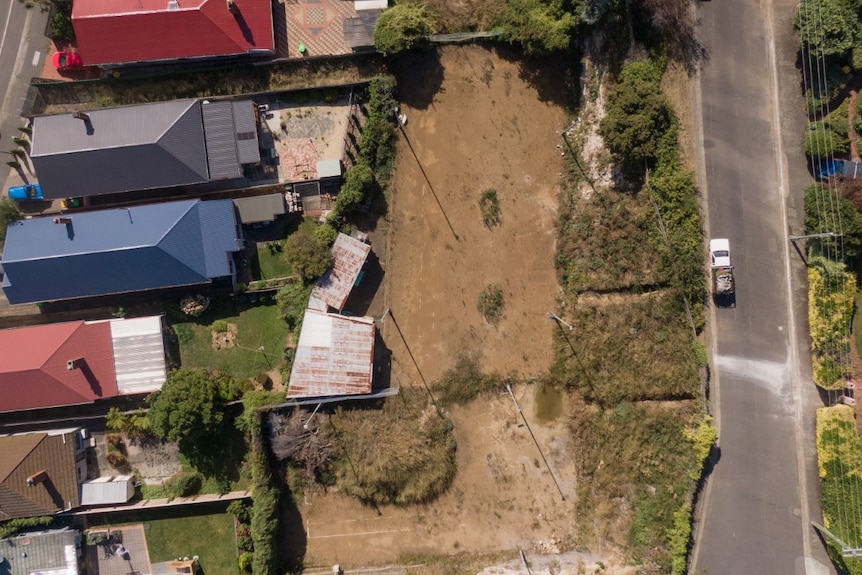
column 547, row 403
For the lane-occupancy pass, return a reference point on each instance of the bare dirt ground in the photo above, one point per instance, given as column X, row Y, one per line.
column 475, row 125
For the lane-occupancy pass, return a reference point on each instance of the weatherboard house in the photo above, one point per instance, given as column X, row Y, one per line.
column 112, row 33
column 123, row 250
column 143, row 147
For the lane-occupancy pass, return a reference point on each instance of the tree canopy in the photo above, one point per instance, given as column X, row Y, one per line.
column 826, row 27
column 307, row 254
column 187, row 410
column 637, row 113
column 9, row 212
column 402, row 28
column 539, row 26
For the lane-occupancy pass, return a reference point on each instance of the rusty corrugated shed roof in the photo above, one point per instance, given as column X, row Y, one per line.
column 333, row 288
column 335, row 356
column 24, row 455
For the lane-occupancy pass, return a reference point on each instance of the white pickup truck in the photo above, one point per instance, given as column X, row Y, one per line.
column 722, row 269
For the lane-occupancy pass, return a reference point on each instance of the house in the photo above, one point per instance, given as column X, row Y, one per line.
column 334, row 356
column 53, row 552
column 333, row 288
column 41, row 472
column 148, row 146
column 122, row 250
column 113, row 33
column 80, row 362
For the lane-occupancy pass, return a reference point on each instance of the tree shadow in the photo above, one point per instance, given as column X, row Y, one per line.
column 542, row 73
column 420, row 76
column 292, row 538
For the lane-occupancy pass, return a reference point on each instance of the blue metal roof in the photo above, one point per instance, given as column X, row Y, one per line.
column 119, row 250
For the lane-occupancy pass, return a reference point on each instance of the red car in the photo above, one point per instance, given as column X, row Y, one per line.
column 65, row 60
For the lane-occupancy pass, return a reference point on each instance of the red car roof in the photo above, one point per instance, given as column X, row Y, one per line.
column 126, row 31
column 34, row 371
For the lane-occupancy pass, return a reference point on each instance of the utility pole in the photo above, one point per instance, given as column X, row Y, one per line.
column 552, row 316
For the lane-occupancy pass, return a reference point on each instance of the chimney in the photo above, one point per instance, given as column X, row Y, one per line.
column 81, row 116
column 65, row 221
column 76, row 363
column 232, row 7
column 37, row 478
column 173, row 5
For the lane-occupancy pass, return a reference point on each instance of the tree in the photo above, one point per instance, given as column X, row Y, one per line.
column 827, row 211
column 402, row 28
column 826, row 27
column 307, row 254
column 355, row 189
column 538, row 26
column 187, row 410
column 9, row 213
column 637, row 113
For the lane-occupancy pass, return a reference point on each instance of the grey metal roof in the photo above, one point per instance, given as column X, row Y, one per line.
column 221, row 143
column 50, row 552
column 246, row 132
column 120, row 149
column 359, row 31
column 108, row 490
column 256, row 209
column 120, row 250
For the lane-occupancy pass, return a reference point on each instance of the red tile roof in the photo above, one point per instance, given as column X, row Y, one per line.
column 126, row 31
column 33, row 365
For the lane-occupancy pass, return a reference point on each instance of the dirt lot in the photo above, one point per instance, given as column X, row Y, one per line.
column 473, row 123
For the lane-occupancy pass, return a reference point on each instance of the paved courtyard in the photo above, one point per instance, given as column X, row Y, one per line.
column 103, row 559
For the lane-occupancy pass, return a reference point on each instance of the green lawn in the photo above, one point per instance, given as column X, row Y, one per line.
column 271, row 264
column 210, row 537
column 257, row 325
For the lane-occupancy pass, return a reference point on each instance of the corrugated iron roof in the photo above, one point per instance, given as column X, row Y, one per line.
column 333, row 288
column 55, row 454
column 334, row 356
column 359, row 30
column 127, row 31
column 120, row 149
column 245, row 126
column 119, row 250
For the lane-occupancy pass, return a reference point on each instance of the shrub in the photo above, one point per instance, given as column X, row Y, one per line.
column 491, row 303
column 61, row 26
column 264, row 515
column 831, row 292
column 292, row 300
column 377, row 147
column 239, row 509
column 822, row 141
column 189, row 484
column 538, row 26
column 490, row 208
column 116, row 459
column 827, row 211
column 245, row 562
column 11, row 527
column 326, row 233
column 220, row 326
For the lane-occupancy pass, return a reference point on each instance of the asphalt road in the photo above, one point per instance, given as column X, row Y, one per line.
column 762, row 494
column 22, row 52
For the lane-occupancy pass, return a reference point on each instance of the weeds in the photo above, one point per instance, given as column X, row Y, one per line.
column 464, row 382
column 490, row 207
column 491, row 303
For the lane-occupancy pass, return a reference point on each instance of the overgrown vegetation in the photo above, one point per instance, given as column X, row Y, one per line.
column 401, row 454
column 307, row 254
column 839, row 462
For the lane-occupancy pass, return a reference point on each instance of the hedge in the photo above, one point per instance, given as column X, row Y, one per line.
column 831, row 292
column 839, row 462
